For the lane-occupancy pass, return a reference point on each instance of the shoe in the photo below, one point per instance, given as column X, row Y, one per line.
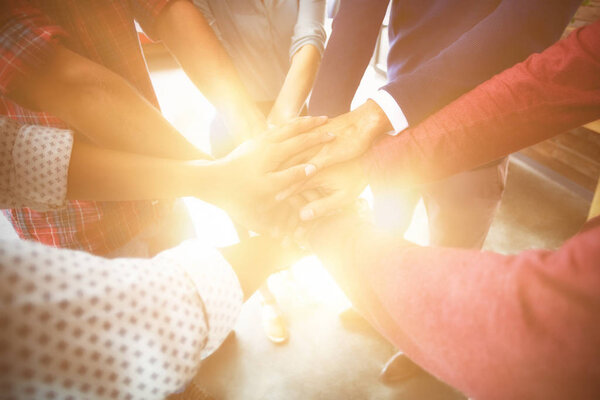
column 399, row 368
column 273, row 323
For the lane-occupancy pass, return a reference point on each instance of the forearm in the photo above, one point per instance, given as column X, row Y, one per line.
column 102, row 106
column 546, row 95
column 486, row 323
column 192, row 41
column 297, row 85
column 350, row 47
column 509, row 34
column 100, row 174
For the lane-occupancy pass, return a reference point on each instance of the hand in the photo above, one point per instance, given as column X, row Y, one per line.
column 280, row 117
column 338, row 186
column 250, row 175
column 354, row 131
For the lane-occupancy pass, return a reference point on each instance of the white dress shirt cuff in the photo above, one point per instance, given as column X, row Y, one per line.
column 392, row 110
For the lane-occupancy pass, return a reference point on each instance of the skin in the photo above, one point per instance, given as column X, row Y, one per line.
column 341, row 178
column 82, row 93
column 297, row 85
column 107, row 175
column 113, row 154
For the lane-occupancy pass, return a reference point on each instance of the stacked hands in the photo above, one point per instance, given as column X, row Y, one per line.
column 281, row 181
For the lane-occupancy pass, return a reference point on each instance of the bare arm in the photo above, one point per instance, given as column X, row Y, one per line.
column 493, row 326
column 102, row 106
column 100, row 174
column 192, row 41
column 297, row 85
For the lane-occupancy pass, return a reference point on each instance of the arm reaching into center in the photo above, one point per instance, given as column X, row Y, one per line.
column 306, row 49
column 494, row 326
column 185, row 32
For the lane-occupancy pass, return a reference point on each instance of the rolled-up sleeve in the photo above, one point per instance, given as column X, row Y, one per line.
column 27, row 40
column 309, row 27
column 34, row 165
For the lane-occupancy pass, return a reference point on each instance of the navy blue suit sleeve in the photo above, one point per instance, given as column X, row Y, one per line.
column 513, row 31
column 355, row 30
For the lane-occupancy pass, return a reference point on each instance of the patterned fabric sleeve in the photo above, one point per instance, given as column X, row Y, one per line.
column 217, row 284
column 81, row 326
column 27, row 40
column 34, row 165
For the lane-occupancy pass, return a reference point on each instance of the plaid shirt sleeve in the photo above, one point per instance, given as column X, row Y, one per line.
column 27, row 40
column 146, row 12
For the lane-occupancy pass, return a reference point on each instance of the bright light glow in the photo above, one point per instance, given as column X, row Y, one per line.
column 191, row 114
column 184, row 106
column 418, row 230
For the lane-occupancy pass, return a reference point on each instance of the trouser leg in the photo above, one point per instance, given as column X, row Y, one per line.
column 393, row 209
column 461, row 208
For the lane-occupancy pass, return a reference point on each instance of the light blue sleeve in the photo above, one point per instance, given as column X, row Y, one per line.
column 309, row 27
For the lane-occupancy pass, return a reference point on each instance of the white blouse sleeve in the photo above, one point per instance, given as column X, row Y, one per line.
column 309, row 27
column 34, row 165
column 75, row 326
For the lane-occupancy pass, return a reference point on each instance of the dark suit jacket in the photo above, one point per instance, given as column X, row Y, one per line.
column 439, row 49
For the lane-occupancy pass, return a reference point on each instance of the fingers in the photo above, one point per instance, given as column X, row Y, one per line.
column 300, row 158
column 288, row 177
column 308, row 196
column 287, row 192
column 304, row 187
column 329, row 155
column 323, row 206
column 295, row 127
column 285, row 150
column 296, row 203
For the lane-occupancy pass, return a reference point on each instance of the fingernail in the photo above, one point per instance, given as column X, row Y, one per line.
column 323, row 118
column 307, row 214
column 310, row 169
column 330, row 134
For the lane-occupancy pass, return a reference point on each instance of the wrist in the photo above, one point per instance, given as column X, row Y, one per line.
column 373, row 119
column 209, row 180
column 279, row 116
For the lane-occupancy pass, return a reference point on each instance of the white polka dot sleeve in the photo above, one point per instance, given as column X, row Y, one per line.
column 77, row 326
column 34, row 165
